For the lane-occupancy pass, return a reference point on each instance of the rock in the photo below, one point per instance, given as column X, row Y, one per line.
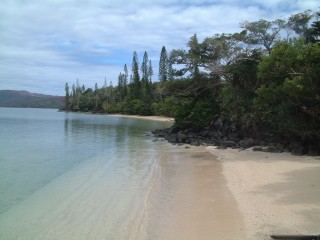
column 246, row 143
column 261, row 143
column 272, row 149
column 299, row 151
column 233, row 136
column 228, row 143
column 221, row 147
column 313, row 150
column 195, row 143
column 257, row 149
column 214, row 135
column 182, row 137
column 173, row 138
column 218, row 123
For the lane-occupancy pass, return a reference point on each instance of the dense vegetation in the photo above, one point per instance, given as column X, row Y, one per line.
column 264, row 78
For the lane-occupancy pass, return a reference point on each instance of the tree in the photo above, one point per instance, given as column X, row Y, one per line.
column 150, row 71
column 136, row 84
column 170, row 68
column 125, row 80
column 120, row 86
column 299, row 23
column 144, row 68
column 315, row 30
column 263, row 32
column 289, row 101
column 67, row 97
column 145, row 77
column 194, row 55
column 163, row 65
column 96, row 95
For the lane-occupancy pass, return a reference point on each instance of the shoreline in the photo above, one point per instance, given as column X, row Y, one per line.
column 152, row 118
column 277, row 193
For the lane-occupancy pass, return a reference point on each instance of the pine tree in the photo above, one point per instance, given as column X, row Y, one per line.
column 136, row 84
column 120, row 86
column 145, row 77
column 149, row 86
column 144, row 68
column 96, row 95
column 67, row 98
column 125, row 80
column 150, row 71
column 163, row 65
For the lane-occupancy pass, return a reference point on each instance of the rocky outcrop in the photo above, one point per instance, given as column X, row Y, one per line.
column 225, row 134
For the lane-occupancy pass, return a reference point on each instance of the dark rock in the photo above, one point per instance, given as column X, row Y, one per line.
column 173, row 138
column 257, row 149
column 281, row 147
column 228, row 143
column 293, row 145
column 221, row 147
column 195, row 143
column 182, row 137
column 233, row 136
column 218, row 123
column 313, row 150
column 261, row 143
column 299, row 151
column 272, row 149
column 214, row 135
column 247, row 143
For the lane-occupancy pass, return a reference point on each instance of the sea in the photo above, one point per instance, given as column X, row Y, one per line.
column 77, row 176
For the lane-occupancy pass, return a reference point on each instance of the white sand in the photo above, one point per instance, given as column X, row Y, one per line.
column 153, row 118
column 276, row 193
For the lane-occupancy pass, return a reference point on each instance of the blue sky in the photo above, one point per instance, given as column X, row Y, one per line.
column 45, row 44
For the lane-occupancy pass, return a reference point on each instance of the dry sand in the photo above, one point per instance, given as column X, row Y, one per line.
column 276, row 193
column 153, row 118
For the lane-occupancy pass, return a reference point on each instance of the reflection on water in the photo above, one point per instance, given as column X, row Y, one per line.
column 78, row 176
column 38, row 145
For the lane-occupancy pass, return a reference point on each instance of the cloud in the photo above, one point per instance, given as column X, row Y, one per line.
column 47, row 43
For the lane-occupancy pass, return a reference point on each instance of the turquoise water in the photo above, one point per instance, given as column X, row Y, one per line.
column 69, row 156
column 72, row 176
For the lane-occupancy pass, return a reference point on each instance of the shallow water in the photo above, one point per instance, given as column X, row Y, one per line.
column 78, row 176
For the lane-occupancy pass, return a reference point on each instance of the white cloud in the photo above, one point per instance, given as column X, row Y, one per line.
column 46, row 43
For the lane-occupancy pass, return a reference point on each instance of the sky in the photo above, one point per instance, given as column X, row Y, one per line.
column 44, row 44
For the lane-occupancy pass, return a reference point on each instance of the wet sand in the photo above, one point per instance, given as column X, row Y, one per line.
column 184, row 195
column 200, row 205
column 276, row 193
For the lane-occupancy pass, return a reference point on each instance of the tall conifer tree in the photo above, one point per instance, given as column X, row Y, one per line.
column 163, row 65
column 136, row 84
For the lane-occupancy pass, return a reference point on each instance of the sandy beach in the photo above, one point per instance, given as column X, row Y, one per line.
column 276, row 193
column 152, row 118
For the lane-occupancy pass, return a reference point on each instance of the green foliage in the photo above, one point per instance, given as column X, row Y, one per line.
column 163, row 65
column 254, row 78
column 290, row 102
column 232, row 105
column 166, row 108
column 195, row 114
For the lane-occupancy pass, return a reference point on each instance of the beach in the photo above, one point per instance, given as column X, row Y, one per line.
column 152, row 118
column 277, row 193
column 111, row 180
column 269, row 193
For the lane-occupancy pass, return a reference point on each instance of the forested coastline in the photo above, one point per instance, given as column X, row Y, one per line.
column 259, row 86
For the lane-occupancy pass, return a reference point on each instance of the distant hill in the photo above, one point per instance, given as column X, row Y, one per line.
column 24, row 99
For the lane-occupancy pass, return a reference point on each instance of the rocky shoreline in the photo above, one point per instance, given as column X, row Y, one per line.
column 225, row 134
